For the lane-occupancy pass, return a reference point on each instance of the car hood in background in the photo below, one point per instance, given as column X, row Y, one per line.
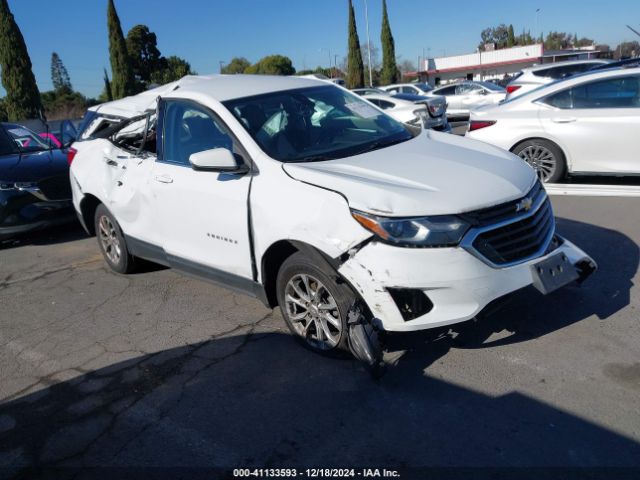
column 33, row 166
column 432, row 174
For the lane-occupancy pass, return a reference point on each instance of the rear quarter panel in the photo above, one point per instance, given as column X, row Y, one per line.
column 124, row 189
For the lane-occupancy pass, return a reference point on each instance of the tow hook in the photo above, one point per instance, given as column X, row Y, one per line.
column 364, row 341
column 585, row 267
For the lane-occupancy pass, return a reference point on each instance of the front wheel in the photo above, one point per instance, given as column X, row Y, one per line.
column 314, row 305
column 545, row 157
column 112, row 242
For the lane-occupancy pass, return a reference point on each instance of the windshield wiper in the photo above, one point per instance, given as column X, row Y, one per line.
column 380, row 144
column 312, row 158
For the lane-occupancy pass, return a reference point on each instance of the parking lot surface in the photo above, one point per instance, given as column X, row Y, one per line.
column 160, row 370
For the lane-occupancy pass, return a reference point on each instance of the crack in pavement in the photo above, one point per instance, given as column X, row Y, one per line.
column 7, row 281
column 59, row 419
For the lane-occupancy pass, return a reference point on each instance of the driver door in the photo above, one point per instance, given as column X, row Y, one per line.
column 202, row 216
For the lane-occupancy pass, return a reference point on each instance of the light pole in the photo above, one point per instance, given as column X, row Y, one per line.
column 366, row 17
column 221, row 62
column 537, row 15
column 330, row 57
column 335, row 64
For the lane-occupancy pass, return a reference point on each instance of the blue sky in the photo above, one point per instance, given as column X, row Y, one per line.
column 207, row 31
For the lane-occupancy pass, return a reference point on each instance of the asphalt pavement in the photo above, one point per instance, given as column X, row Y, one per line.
column 168, row 377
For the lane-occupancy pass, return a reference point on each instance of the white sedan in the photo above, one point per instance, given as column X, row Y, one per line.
column 402, row 110
column 586, row 124
column 465, row 96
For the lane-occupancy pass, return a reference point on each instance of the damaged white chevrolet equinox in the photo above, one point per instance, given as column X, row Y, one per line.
column 308, row 197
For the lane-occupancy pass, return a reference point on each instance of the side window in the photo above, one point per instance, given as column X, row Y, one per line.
column 446, row 91
column 545, row 72
column 560, row 100
column 464, row 89
column 190, row 129
column 382, row 103
column 411, row 90
column 393, row 90
column 612, row 93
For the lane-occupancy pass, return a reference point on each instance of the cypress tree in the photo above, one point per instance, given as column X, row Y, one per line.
column 123, row 81
column 355, row 67
column 511, row 37
column 107, row 86
column 23, row 97
column 59, row 75
column 389, row 73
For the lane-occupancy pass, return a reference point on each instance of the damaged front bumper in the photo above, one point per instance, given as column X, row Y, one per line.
column 415, row 289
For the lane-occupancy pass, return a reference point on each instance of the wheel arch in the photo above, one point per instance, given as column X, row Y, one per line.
column 88, row 206
column 277, row 253
column 559, row 144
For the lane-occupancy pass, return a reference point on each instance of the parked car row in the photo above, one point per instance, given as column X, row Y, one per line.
column 461, row 97
column 567, row 118
column 414, row 110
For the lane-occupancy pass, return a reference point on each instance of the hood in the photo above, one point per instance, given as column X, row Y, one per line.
column 33, row 166
column 432, row 174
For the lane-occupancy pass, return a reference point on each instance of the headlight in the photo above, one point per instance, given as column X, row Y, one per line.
column 435, row 231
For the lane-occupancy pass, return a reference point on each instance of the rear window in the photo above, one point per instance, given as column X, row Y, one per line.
column 558, row 72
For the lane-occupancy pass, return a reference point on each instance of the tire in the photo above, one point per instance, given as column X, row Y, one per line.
column 545, row 157
column 111, row 242
column 321, row 283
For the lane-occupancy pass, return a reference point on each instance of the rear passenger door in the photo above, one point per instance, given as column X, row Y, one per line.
column 202, row 215
column 598, row 123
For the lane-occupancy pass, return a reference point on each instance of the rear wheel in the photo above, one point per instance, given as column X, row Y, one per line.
column 545, row 157
column 313, row 304
column 111, row 241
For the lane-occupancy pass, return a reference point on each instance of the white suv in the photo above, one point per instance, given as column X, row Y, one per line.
column 532, row 77
column 308, row 197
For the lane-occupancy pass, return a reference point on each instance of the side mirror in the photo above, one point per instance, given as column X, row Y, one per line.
column 217, row 160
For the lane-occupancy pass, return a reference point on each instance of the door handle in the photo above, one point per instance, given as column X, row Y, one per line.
column 111, row 163
column 563, row 120
column 164, row 179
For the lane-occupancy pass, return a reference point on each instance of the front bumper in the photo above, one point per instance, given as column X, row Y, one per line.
column 22, row 212
column 458, row 284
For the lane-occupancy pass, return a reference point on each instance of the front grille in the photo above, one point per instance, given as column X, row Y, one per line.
column 518, row 236
column 504, row 211
column 56, row 188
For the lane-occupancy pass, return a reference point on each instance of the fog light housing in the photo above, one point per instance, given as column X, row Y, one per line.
column 412, row 303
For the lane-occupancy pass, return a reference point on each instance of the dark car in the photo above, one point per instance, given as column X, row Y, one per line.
column 34, row 182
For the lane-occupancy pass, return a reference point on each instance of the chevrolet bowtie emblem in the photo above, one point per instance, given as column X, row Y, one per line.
column 524, row 204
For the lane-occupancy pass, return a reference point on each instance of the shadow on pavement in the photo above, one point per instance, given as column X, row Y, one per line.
column 48, row 236
column 259, row 400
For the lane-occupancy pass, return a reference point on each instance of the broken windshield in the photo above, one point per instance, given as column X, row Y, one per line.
column 313, row 124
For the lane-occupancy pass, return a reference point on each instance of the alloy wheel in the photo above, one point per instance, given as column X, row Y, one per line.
column 313, row 311
column 109, row 240
column 541, row 159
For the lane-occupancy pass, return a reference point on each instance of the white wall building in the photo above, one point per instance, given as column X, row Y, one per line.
column 494, row 64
